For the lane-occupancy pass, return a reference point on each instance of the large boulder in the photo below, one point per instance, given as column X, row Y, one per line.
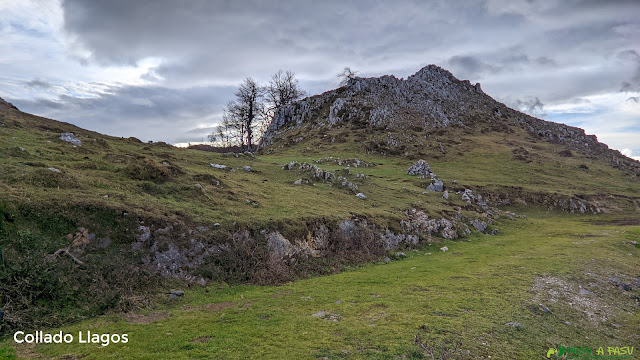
column 420, row 168
column 437, row 185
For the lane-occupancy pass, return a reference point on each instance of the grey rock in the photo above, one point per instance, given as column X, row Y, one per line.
column 514, row 324
column 146, row 233
column 297, row 182
column 420, row 168
column 361, row 196
column 176, row 294
column 616, row 325
column 71, row 138
column 479, row 225
column 544, row 308
column 325, row 315
column 436, row 186
column 247, row 168
column 386, row 260
column 218, row 166
column 584, row 291
column 632, row 242
column 494, row 232
column 54, row 170
column 567, row 322
column 339, row 302
column 444, row 249
column 445, row 195
column 278, row 245
column 401, row 255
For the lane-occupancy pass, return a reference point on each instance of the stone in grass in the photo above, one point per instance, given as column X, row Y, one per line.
column 401, row 255
column 436, row 186
column 176, row 294
column 325, row 315
column 544, row 308
column 584, row 291
column 247, row 168
column 218, row 166
column 70, row 137
column 445, row 195
column 514, row 324
column 361, row 196
column 386, row 260
column 420, row 168
column 53, row 169
column 444, row 249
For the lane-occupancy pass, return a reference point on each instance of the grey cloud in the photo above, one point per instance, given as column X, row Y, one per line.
column 515, row 47
column 163, row 114
column 39, row 83
column 470, row 66
column 633, row 83
column 530, row 105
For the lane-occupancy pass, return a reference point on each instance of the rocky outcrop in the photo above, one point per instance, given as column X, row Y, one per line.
column 421, row 168
column 432, row 98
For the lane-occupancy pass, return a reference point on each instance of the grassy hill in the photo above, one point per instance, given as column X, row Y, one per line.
column 113, row 224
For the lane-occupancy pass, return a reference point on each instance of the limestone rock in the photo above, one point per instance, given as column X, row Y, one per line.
column 70, row 137
column 420, row 168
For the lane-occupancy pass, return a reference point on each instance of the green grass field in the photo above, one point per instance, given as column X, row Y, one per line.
column 467, row 294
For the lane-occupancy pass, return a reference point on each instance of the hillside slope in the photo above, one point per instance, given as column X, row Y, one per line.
column 88, row 214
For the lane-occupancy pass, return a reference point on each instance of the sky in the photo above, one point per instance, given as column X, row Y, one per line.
column 163, row 70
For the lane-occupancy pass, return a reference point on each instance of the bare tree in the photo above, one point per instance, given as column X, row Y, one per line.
column 283, row 89
column 248, row 116
column 347, row 74
column 241, row 116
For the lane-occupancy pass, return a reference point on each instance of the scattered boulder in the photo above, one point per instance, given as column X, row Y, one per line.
column 361, row 196
column 325, row 315
column 297, row 182
column 445, row 195
column 70, row 137
column 420, row 168
column 218, row 166
column 514, row 324
column 176, row 294
column 54, row 170
column 248, row 168
column 437, row 185
column 479, row 225
column 401, row 255
column 494, row 232
column 386, row 260
column 444, row 249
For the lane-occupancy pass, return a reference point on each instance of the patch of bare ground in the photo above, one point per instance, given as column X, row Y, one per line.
column 600, row 300
column 146, row 319
column 201, row 339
